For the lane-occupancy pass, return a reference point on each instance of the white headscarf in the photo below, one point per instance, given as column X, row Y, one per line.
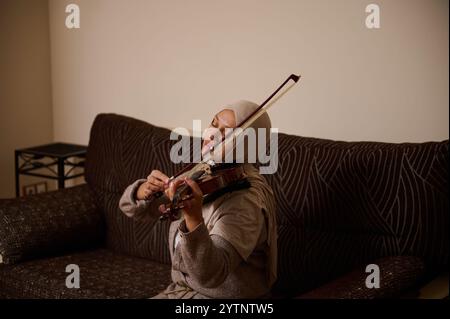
column 242, row 110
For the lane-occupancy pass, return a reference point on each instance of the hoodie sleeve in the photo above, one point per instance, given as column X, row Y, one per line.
column 133, row 207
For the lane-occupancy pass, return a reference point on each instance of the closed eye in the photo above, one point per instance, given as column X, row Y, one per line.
column 214, row 122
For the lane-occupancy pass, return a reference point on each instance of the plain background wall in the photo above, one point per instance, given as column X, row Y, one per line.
column 25, row 87
column 171, row 61
column 168, row 62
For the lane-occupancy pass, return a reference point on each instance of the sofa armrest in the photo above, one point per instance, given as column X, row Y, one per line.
column 397, row 274
column 49, row 224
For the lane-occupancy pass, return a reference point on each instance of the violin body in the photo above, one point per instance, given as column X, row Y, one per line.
column 220, row 178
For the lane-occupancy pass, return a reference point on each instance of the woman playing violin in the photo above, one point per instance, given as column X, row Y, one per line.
column 226, row 248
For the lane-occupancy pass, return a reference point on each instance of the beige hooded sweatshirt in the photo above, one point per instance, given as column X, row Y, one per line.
column 233, row 254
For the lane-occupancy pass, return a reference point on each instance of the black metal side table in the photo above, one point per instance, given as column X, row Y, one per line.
column 28, row 160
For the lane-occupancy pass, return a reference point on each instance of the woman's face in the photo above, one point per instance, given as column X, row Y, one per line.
column 222, row 120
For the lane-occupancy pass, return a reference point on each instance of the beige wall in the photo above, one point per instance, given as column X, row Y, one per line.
column 25, row 92
column 170, row 61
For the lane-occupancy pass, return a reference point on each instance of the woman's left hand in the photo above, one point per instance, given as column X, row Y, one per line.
column 192, row 209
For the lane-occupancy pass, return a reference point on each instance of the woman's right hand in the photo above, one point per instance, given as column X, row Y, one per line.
column 156, row 182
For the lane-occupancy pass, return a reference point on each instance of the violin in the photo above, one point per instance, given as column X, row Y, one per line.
column 216, row 179
column 222, row 178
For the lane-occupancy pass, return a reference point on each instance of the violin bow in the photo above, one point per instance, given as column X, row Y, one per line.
column 255, row 115
column 206, row 158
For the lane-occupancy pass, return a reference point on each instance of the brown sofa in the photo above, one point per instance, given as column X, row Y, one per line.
column 341, row 206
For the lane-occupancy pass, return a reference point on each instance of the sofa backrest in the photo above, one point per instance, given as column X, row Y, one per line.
column 122, row 150
column 340, row 204
column 346, row 204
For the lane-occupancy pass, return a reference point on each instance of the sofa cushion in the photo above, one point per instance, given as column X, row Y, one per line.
column 103, row 274
column 49, row 224
column 397, row 275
